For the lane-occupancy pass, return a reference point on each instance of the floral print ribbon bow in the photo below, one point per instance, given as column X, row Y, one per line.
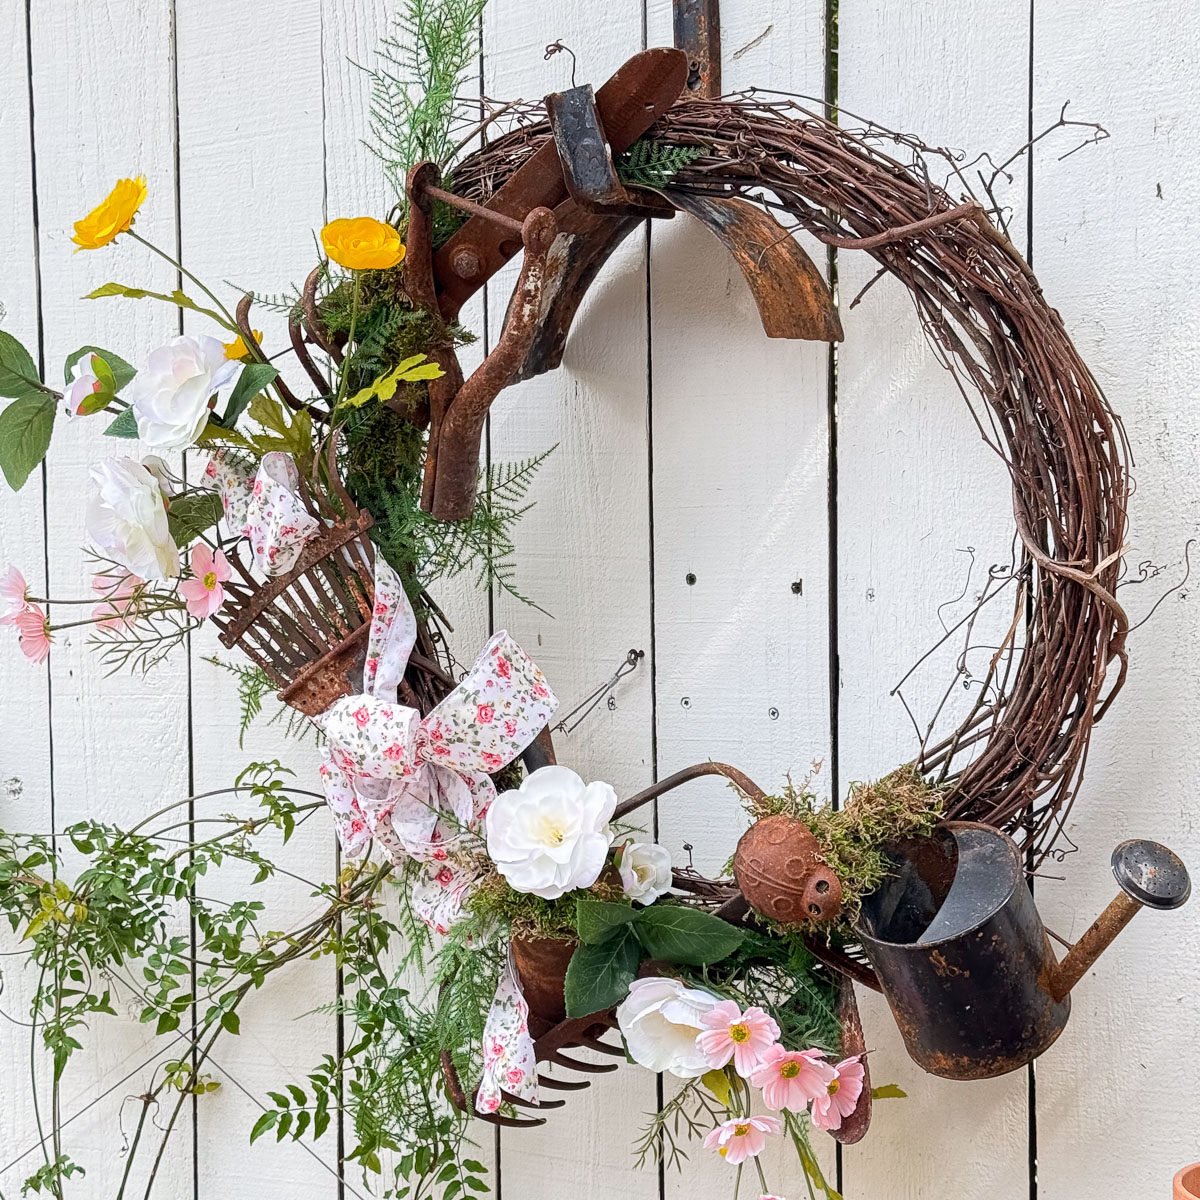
column 267, row 509
column 418, row 786
column 509, row 1061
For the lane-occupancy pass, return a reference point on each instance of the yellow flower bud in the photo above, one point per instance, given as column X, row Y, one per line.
column 113, row 215
column 362, row 244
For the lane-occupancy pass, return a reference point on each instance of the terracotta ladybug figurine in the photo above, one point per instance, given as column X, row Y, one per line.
column 779, row 868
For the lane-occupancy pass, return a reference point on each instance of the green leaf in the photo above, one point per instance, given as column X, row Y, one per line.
column 599, row 976
column 411, row 370
column 215, row 434
column 294, row 437
column 685, row 935
column 265, row 1122
column 124, row 425
column 189, row 516
column 717, row 1082
column 120, row 371
column 598, row 920
column 252, row 380
column 167, row 1022
column 18, row 373
column 889, row 1091
column 231, row 1023
column 176, row 297
column 320, row 1123
column 25, row 429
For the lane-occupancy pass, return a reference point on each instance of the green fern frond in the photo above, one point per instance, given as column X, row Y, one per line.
column 254, row 686
column 649, row 163
column 416, row 81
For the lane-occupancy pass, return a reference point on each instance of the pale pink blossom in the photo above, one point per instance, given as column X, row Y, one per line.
column 203, row 593
column 113, row 612
column 791, row 1078
column 730, row 1033
column 741, row 1138
column 768, row 1196
column 34, row 629
column 14, row 592
column 841, row 1095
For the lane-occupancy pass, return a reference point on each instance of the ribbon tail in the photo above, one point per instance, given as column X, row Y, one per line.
column 509, row 1062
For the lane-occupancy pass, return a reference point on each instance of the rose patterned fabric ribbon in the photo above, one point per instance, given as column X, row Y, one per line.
column 420, row 787
column 509, row 1062
column 267, row 509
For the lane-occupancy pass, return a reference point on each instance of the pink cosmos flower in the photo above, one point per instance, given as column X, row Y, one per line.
column 791, row 1078
column 766, row 1196
column 14, row 592
column 730, row 1033
column 111, row 613
column 34, row 629
column 841, row 1095
column 204, row 593
column 741, row 1138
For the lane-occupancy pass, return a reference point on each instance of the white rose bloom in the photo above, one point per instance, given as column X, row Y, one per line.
column 171, row 394
column 82, row 384
column 551, row 835
column 660, row 1021
column 645, row 869
column 127, row 518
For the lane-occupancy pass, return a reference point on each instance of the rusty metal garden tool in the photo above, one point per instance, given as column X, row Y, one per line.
column 567, row 207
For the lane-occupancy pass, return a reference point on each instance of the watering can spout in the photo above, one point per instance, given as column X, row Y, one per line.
column 1150, row 876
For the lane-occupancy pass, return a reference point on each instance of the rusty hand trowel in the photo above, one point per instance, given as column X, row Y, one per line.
column 566, row 207
column 960, row 951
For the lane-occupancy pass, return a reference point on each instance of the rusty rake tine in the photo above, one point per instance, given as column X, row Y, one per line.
column 575, row 1065
column 563, row 1085
column 594, row 1043
column 517, row 1102
column 513, row 1122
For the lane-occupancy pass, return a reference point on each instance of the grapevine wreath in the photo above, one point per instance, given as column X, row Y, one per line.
column 312, row 536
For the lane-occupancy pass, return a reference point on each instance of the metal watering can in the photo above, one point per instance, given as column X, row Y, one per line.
column 961, row 954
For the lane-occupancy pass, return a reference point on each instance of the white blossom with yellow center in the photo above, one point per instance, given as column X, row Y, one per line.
column 550, row 836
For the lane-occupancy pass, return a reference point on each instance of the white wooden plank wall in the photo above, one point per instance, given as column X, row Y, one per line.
column 689, row 491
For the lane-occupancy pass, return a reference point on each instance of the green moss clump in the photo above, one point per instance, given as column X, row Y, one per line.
column 899, row 805
column 495, row 903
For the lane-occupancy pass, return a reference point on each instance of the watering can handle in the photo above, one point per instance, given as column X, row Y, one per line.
column 1150, row 876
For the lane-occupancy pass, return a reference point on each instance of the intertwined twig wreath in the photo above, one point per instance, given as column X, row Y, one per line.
column 1016, row 760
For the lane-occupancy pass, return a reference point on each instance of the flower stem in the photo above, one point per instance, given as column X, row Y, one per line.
column 345, row 379
column 230, row 321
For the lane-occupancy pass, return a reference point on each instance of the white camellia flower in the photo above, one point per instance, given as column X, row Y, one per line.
column 551, row 836
column 645, row 869
column 173, row 393
column 660, row 1020
column 127, row 517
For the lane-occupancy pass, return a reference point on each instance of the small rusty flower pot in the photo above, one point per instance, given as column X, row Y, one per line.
column 779, row 868
column 542, row 968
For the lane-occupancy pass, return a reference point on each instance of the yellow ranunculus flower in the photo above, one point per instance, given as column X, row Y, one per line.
column 237, row 349
column 113, row 215
column 362, row 244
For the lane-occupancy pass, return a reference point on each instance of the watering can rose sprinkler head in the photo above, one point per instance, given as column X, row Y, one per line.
column 960, row 951
column 1150, row 876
